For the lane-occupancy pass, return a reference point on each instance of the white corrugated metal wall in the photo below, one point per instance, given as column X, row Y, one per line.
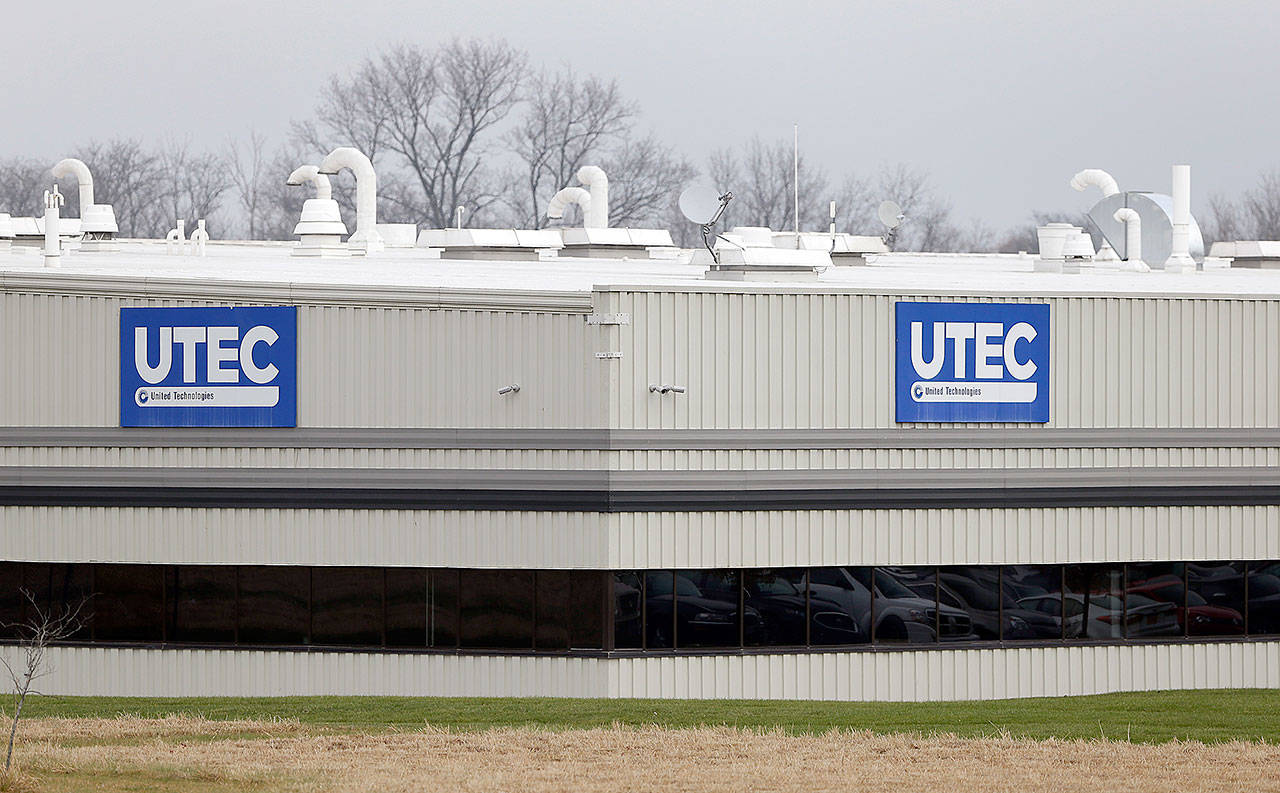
column 756, row 359
column 915, row 676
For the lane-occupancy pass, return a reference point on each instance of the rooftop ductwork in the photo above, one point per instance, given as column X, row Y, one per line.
column 320, row 228
column 366, row 238
column 1095, row 177
column 97, row 221
column 563, row 199
column 594, row 200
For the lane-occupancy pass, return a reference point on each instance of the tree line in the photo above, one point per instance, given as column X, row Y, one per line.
column 473, row 124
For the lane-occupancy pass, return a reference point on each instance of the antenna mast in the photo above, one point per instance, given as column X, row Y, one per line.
column 795, row 183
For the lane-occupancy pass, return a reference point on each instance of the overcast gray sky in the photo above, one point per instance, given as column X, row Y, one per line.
column 1000, row 102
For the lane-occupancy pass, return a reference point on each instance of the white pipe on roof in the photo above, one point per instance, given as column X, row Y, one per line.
column 1095, row 177
column 570, row 195
column 366, row 235
column 1180, row 256
column 1132, row 237
column 597, row 215
column 310, row 173
column 73, row 167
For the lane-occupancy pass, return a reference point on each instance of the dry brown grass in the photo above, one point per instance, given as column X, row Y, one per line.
column 185, row 753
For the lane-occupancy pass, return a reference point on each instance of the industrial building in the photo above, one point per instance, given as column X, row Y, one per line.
column 473, row 463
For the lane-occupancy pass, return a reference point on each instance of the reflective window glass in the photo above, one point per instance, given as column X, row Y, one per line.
column 128, row 602
column 627, row 622
column 202, row 607
column 905, row 610
column 1093, row 602
column 1031, row 596
column 443, row 608
column 707, row 613
column 497, row 609
column 659, row 609
column 275, row 605
column 587, row 609
column 346, row 608
column 974, row 591
column 1263, row 587
column 551, row 631
column 406, row 607
column 1215, row 598
column 839, row 605
column 1154, row 590
column 774, row 605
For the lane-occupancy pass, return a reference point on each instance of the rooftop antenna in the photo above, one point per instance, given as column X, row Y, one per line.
column 795, row 183
column 704, row 205
column 891, row 216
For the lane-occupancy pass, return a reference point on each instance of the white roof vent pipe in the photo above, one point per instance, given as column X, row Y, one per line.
column 561, row 201
column 1095, row 177
column 320, row 228
column 1132, row 239
column 366, row 238
column 97, row 221
column 1180, row 260
column 597, row 183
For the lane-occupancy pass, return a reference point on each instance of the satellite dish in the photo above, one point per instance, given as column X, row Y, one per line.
column 890, row 214
column 701, row 204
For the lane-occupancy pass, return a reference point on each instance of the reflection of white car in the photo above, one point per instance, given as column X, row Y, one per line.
column 901, row 615
column 1108, row 617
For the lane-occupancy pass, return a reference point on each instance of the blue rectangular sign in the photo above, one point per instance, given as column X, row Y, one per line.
column 959, row 362
column 209, row 367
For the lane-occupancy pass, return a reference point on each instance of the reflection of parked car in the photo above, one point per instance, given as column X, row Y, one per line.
column 1108, row 618
column 1197, row 617
column 701, row 620
column 1264, row 602
column 626, row 610
column 781, row 605
column 985, row 607
column 900, row 614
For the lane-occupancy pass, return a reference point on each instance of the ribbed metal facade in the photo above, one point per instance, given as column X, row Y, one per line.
column 752, row 360
column 885, row 676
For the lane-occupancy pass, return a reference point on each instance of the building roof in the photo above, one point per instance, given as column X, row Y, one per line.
column 256, row 270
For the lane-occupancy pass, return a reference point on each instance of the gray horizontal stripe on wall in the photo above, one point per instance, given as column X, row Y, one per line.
column 641, row 440
column 601, row 481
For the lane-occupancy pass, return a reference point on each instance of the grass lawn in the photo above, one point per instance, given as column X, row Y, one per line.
column 1149, row 717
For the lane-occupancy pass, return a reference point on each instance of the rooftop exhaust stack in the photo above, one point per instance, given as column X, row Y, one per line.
column 97, row 221
column 1180, row 260
column 1095, row 177
column 320, row 228
column 1133, row 238
column 596, row 215
column 561, row 201
column 366, row 239
column 52, row 244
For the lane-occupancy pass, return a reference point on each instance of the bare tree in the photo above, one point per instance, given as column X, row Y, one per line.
column 433, row 113
column 1262, row 207
column 762, row 177
column 45, row 627
column 127, row 176
column 645, row 178
column 192, row 186
column 23, row 182
column 247, row 167
column 567, row 121
column 1222, row 221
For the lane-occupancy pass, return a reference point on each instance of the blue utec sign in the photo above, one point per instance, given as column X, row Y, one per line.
column 961, row 362
column 209, row 367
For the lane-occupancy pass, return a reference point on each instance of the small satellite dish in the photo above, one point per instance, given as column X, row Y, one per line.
column 890, row 214
column 701, row 204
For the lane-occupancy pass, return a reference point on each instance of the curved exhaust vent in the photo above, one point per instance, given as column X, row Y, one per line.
column 97, row 221
column 366, row 238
